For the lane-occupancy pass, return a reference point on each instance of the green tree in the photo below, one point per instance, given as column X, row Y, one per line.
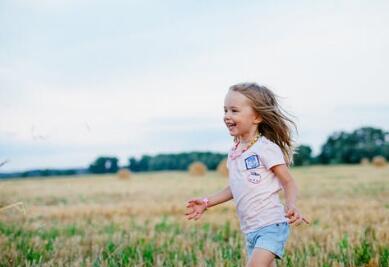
column 179, row 161
column 104, row 165
column 365, row 142
column 303, row 155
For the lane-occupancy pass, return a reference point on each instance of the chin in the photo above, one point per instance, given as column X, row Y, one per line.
column 233, row 134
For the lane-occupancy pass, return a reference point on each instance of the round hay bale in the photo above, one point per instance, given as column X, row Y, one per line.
column 124, row 174
column 379, row 161
column 222, row 168
column 197, row 168
column 365, row 161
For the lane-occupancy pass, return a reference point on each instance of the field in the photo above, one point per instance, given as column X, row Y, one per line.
column 105, row 221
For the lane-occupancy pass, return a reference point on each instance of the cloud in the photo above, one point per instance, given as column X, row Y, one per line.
column 144, row 80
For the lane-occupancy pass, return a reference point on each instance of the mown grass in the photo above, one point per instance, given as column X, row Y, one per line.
column 104, row 221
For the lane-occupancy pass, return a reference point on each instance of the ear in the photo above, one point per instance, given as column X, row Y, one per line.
column 258, row 119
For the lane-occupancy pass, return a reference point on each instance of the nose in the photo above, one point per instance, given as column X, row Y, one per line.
column 227, row 116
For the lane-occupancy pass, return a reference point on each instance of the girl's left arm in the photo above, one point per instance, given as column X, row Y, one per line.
column 290, row 187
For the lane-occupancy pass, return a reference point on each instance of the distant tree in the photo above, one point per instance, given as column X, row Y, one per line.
column 302, row 156
column 104, row 165
column 179, row 161
column 365, row 142
column 144, row 163
column 133, row 165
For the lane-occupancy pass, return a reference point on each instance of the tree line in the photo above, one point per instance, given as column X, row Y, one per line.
column 340, row 148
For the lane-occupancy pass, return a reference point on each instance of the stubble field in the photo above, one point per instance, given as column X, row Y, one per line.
column 105, row 221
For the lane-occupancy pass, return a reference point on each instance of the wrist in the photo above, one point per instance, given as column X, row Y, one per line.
column 206, row 202
column 290, row 206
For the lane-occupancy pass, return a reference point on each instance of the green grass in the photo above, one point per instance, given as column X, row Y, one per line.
column 167, row 243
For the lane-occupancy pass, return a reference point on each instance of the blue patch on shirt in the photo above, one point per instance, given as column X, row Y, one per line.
column 252, row 162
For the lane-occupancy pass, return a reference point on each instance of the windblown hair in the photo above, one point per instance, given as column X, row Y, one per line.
column 276, row 125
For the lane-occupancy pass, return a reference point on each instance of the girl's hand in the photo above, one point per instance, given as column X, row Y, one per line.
column 294, row 216
column 197, row 206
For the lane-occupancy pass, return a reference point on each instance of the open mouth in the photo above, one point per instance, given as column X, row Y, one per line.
column 231, row 125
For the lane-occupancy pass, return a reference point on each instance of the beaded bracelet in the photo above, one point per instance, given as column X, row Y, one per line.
column 206, row 200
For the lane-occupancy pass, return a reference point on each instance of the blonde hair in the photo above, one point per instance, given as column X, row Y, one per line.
column 275, row 126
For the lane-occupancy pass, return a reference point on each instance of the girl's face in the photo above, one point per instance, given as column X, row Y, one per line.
column 240, row 118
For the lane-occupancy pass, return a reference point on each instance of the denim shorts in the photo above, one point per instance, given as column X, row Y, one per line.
column 271, row 237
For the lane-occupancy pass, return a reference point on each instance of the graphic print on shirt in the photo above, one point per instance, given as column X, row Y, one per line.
column 254, row 177
column 251, row 163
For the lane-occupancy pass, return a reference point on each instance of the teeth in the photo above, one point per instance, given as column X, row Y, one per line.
column 230, row 124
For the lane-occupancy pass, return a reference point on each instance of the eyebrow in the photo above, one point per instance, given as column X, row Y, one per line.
column 231, row 107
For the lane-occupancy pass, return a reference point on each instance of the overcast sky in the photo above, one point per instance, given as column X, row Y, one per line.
column 80, row 79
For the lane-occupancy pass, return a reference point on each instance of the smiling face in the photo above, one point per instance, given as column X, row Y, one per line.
column 239, row 116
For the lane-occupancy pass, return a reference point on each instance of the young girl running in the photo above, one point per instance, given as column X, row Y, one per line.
column 258, row 169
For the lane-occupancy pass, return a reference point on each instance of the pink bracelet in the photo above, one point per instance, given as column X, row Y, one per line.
column 206, row 200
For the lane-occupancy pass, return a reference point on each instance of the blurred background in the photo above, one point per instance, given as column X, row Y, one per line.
column 84, row 79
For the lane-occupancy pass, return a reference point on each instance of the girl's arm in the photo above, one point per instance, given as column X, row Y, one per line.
column 198, row 205
column 220, row 197
column 290, row 187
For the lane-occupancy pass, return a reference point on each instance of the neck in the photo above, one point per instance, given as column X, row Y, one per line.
column 246, row 139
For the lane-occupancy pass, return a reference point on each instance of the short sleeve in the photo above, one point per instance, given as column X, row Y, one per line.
column 227, row 163
column 272, row 155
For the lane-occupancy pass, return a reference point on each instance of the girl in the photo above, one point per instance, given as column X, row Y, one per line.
column 258, row 169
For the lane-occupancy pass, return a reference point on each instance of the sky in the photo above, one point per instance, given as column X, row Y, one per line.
column 82, row 79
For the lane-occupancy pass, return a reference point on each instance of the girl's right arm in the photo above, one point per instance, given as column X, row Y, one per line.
column 199, row 205
column 220, row 197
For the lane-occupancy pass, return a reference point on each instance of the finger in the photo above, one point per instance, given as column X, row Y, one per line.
column 198, row 216
column 293, row 219
column 191, row 216
column 188, row 216
column 193, row 200
column 290, row 213
column 189, row 212
column 298, row 221
column 195, row 214
column 306, row 221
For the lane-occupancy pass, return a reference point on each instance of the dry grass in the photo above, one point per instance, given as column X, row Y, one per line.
column 77, row 221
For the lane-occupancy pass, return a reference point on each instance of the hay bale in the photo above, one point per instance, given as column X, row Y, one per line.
column 365, row 161
column 222, row 168
column 197, row 168
column 124, row 174
column 379, row 161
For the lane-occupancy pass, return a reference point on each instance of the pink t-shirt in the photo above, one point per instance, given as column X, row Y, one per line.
column 255, row 187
